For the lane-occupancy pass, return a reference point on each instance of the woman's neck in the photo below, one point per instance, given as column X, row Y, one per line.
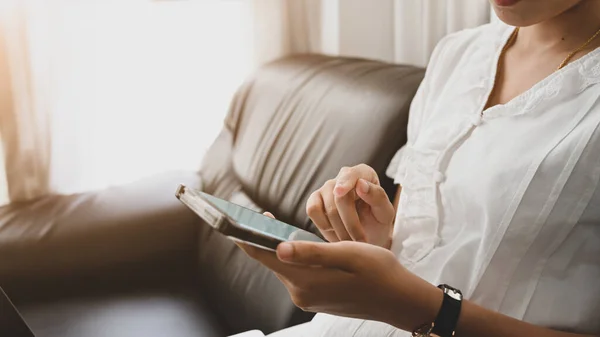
column 565, row 32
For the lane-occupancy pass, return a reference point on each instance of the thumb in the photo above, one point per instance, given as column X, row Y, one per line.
column 339, row 255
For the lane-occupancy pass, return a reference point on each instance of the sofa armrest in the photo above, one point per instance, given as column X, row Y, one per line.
column 73, row 234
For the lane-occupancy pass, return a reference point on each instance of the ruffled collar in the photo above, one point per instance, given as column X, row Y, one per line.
column 569, row 81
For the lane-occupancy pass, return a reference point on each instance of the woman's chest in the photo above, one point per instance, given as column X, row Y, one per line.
column 496, row 179
column 489, row 164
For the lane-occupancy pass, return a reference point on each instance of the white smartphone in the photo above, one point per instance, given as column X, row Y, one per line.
column 240, row 223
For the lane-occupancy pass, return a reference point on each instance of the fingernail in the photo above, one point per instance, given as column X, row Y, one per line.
column 285, row 251
column 363, row 186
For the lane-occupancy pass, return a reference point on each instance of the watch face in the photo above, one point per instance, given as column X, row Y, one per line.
column 454, row 294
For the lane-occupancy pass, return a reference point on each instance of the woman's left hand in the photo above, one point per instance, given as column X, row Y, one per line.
column 351, row 279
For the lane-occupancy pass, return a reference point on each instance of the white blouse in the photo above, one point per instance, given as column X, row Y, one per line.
column 505, row 207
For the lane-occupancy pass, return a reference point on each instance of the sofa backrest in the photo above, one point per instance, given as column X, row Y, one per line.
column 299, row 120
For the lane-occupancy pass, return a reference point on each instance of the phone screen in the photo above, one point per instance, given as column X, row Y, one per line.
column 257, row 222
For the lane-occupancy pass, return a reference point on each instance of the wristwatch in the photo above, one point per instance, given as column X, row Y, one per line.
column 447, row 318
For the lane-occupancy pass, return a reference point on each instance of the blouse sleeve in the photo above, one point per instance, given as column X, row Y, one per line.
column 397, row 167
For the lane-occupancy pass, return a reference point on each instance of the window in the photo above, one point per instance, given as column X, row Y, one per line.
column 140, row 86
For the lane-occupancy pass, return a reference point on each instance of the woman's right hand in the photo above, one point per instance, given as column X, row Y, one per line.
column 353, row 206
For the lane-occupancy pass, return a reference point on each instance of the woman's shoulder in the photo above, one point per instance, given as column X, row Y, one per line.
column 474, row 48
column 491, row 33
column 486, row 37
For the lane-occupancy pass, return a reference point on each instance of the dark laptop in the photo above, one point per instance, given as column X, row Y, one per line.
column 11, row 322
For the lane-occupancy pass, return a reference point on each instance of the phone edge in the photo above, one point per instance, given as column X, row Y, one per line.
column 227, row 225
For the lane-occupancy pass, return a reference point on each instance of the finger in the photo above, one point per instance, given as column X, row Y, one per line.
column 377, row 199
column 346, row 206
column 348, row 176
column 269, row 214
column 270, row 260
column 339, row 255
column 316, row 212
column 332, row 213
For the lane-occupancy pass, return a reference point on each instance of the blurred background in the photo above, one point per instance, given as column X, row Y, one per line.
column 96, row 93
column 107, row 105
column 104, row 92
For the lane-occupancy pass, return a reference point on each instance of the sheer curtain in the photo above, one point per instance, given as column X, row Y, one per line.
column 419, row 25
column 25, row 96
column 399, row 31
column 283, row 27
column 102, row 92
column 105, row 92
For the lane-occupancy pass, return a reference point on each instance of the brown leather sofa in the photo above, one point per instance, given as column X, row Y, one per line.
column 131, row 261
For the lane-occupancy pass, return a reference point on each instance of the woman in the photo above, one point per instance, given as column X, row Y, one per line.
column 500, row 195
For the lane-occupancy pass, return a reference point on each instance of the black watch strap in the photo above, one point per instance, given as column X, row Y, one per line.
column 447, row 318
